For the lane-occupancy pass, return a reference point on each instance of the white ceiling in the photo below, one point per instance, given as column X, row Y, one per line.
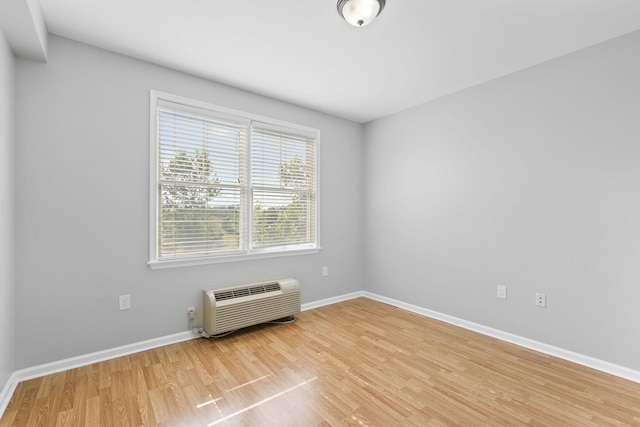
column 301, row 51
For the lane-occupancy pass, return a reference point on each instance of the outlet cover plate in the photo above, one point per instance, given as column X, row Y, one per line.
column 502, row 292
column 124, row 302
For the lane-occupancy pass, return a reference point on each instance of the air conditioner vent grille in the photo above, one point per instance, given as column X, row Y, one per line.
column 245, row 292
column 272, row 287
column 237, row 307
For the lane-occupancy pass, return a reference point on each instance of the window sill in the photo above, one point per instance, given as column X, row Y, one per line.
column 189, row 262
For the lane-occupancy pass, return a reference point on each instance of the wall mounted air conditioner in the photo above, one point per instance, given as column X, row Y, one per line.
column 236, row 307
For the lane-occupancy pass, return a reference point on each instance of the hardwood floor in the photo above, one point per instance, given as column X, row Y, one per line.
column 359, row 362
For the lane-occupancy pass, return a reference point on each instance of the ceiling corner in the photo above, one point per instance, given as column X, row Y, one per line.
column 23, row 25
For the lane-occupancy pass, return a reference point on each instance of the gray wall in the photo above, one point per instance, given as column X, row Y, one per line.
column 530, row 181
column 7, row 337
column 82, row 196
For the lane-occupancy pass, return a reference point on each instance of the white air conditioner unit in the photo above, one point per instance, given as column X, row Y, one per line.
column 236, row 307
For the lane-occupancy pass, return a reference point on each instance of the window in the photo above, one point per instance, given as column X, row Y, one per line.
column 227, row 185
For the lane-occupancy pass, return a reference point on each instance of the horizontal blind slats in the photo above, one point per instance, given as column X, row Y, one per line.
column 200, row 161
column 204, row 177
column 283, row 179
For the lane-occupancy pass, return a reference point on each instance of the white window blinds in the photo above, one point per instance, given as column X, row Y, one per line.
column 282, row 186
column 230, row 185
column 200, row 183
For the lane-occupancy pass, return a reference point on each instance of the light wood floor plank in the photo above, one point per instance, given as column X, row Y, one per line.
column 356, row 363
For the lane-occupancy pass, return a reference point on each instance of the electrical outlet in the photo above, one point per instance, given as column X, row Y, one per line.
column 541, row 300
column 124, row 302
column 191, row 312
column 325, row 271
column 502, row 292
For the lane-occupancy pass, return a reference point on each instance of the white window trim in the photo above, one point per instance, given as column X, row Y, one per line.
column 250, row 254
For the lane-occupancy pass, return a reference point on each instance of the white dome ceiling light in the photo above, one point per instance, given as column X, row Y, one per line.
column 360, row 12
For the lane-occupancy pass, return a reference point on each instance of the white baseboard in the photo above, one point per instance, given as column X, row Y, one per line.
column 332, row 300
column 99, row 356
column 7, row 392
column 580, row 359
column 86, row 359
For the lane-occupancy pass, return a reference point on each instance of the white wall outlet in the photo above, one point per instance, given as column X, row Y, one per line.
column 541, row 300
column 502, row 292
column 191, row 312
column 325, row 271
column 125, row 302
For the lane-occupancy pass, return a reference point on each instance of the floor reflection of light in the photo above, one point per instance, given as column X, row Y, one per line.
column 250, row 382
column 207, row 403
column 221, row 420
column 359, row 421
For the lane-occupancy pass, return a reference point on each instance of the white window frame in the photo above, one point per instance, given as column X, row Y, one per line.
column 248, row 253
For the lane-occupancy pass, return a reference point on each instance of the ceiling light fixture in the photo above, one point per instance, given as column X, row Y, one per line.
column 360, row 12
